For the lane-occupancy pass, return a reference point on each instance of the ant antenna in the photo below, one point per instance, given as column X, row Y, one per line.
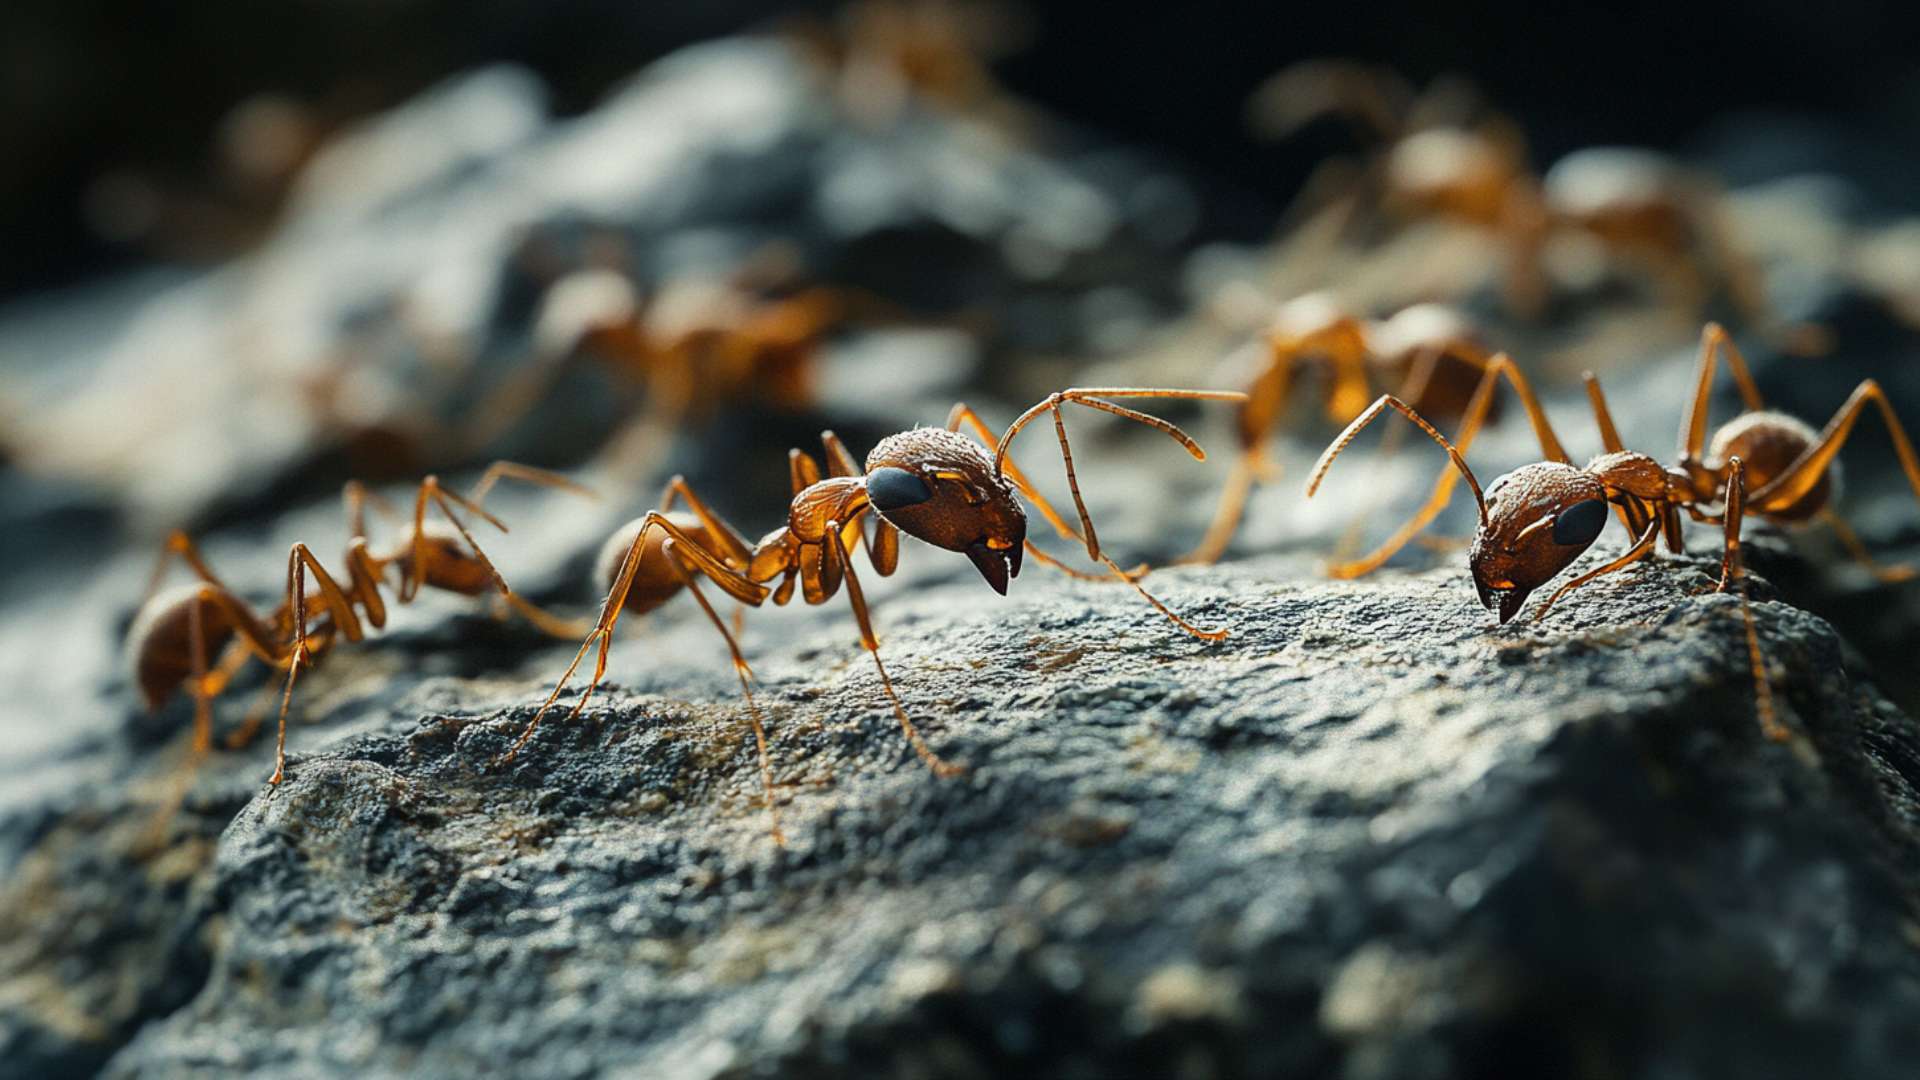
column 1374, row 410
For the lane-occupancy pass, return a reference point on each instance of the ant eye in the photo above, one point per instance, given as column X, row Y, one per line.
column 891, row 489
column 1580, row 523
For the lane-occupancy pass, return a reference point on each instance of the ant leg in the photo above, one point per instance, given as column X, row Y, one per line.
column 802, row 470
column 286, row 700
column 964, row 414
column 299, row 561
column 839, row 461
column 871, row 642
column 431, row 491
column 1640, row 549
column 1801, row 476
column 883, row 550
column 738, row 551
column 1631, row 513
column 1265, row 405
column 180, row 545
column 1226, row 518
column 430, row 488
column 202, row 702
column 1735, row 503
column 1733, row 570
column 250, row 723
column 545, row 621
column 1602, row 416
column 512, row 469
column 356, row 497
column 736, row 586
column 671, row 550
column 1714, row 338
column 1890, row 575
column 298, row 653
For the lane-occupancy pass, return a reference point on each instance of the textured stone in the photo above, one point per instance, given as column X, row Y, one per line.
column 1371, row 833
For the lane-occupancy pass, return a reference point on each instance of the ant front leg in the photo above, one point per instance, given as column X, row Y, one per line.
column 871, row 642
column 1265, row 405
column 1733, row 571
column 1713, row 339
column 883, row 551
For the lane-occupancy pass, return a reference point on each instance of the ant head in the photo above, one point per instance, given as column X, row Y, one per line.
column 939, row 486
column 1538, row 519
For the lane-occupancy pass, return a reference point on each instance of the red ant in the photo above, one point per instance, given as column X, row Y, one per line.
column 1430, row 351
column 935, row 484
column 1536, row 520
column 177, row 631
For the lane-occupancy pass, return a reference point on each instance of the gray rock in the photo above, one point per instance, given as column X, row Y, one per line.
column 1371, row 835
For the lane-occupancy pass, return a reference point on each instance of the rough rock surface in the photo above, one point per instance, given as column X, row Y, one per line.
column 1370, row 835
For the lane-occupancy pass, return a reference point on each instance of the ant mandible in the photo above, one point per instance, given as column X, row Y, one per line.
column 1536, row 520
column 934, row 484
column 176, row 631
column 1430, row 351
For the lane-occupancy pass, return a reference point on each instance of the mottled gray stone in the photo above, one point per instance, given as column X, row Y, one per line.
column 1370, row 835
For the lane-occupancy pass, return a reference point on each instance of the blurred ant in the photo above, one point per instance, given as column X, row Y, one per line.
column 695, row 344
column 1431, row 352
column 1536, row 520
column 886, row 56
column 178, row 630
column 935, row 484
column 1445, row 156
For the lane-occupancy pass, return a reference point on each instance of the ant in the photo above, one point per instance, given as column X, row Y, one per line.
column 178, row 630
column 935, row 484
column 693, row 345
column 888, row 58
column 1431, row 351
column 1443, row 156
column 1536, row 520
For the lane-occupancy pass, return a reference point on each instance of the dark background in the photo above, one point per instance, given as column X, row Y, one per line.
column 89, row 86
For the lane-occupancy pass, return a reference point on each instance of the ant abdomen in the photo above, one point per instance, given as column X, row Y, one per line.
column 161, row 639
column 654, row 580
column 1770, row 443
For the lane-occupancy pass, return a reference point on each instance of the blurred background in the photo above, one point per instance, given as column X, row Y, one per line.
column 255, row 251
column 113, row 111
